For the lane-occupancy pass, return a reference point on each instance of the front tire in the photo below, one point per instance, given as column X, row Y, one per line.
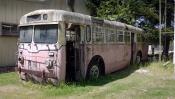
column 54, row 81
column 23, row 76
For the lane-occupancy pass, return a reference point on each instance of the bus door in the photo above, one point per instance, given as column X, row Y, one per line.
column 133, row 47
column 78, row 50
column 72, row 51
column 82, row 55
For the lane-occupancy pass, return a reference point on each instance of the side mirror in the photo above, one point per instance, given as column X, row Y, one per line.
column 18, row 42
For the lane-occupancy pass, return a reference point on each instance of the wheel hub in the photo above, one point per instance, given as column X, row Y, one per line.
column 94, row 72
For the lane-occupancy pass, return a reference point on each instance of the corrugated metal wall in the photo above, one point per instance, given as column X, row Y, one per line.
column 12, row 10
column 7, row 51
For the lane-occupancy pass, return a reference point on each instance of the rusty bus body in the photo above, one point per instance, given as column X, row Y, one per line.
column 56, row 45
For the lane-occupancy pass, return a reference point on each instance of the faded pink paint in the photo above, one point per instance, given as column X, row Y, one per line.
column 115, row 56
column 40, row 57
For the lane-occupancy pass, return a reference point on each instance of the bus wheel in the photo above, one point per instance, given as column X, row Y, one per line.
column 94, row 71
column 54, row 81
column 23, row 76
column 138, row 58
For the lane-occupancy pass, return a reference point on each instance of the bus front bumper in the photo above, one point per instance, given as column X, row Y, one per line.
column 41, row 74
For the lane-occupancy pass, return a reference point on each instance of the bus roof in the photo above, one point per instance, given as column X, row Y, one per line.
column 54, row 16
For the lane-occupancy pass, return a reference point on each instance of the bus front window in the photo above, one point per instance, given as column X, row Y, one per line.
column 26, row 34
column 46, row 34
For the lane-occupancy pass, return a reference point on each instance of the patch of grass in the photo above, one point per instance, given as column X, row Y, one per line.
column 157, row 83
column 49, row 90
column 9, row 78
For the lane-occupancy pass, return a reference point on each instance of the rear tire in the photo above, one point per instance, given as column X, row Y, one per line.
column 138, row 58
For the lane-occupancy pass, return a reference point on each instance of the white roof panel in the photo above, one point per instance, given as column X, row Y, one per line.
column 73, row 17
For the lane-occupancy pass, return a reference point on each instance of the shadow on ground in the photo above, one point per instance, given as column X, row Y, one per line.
column 120, row 74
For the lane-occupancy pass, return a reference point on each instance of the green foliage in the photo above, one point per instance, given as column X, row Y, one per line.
column 115, row 10
column 122, row 10
column 128, row 11
column 92, row 5
column 152, row 36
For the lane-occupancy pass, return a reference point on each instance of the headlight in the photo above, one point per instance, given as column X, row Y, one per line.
column 49, row 63
column 21, row 58
column 51, row 54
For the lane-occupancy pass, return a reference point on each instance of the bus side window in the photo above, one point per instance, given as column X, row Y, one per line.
column 116, row 36
column 83, row 32
column 106, row 35
column 88, row 33
column 94, row 30
column 127, row 37
column 120, row 36
column 143, row 38
column 70, row 35
column 110, row 36
column 99, row 35
column 139, row 37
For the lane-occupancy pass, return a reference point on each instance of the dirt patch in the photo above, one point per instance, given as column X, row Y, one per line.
column 15, row 89
column 142, row 71
column 9, row 88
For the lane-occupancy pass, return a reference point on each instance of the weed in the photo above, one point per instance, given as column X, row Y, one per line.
column 125, row 83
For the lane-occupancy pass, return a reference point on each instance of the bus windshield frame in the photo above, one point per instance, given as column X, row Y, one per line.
column 46, row 34
column 26, row 33
column 42, row 34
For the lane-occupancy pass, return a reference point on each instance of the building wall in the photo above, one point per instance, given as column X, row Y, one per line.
column 8, row 51
column 11, row 12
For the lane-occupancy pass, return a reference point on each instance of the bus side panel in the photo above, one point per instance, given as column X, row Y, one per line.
column 144, row 51
column 62, row 42
column 61, row 64
column 143, row 47
column 115, row 56
column 88, row 54
column 128, row 54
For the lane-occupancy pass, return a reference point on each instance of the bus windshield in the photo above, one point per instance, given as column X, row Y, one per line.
column 26, row 34
column 46, row 34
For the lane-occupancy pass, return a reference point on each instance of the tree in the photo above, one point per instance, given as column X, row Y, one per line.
column 92, row 5
column 141, row 13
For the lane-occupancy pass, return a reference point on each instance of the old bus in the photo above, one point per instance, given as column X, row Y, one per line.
column 57, row 45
